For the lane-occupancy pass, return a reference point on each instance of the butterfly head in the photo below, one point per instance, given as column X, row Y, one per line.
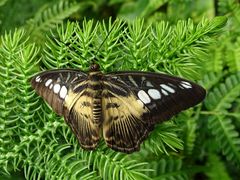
column 94, row 67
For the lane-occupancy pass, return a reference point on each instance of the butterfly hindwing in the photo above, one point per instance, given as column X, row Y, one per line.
column 123, row 126
column 82, row 122
column 149, row 98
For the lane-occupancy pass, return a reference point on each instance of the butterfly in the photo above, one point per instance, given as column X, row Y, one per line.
column 122, row 106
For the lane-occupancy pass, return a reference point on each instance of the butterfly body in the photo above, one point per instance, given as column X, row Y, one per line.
column 125, row 106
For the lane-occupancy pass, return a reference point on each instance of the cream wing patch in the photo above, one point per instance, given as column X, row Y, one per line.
column 123, row 126
column 81, row 120
column 126, row 107
column 71, row 97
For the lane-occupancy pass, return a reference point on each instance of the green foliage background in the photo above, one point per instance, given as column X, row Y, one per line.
column 194, row 39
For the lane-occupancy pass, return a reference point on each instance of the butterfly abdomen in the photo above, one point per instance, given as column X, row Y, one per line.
column 95, row 86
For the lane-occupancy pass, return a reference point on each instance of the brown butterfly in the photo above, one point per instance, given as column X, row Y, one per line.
column 123, row 106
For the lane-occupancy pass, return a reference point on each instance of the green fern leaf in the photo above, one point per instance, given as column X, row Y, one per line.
column 163, row 139
column 211, row 79
column 167, row 168
column 136, row 45
column 216, row 58
column 49, row 16
column 190, row 135
column 109, row 50
column 233, row 55
column 221, row 97
column 114, row 165
column 14, row 116
column 219, row 100
column 216, row 169
column 57, row 162
column 227, row 137
column 182, row 46
column 72, row 47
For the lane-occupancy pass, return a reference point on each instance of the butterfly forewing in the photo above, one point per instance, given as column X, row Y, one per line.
column 57, row 88
column 67, row 91
column 149, row 98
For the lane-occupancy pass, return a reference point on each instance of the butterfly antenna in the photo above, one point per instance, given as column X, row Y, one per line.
column 94, row 58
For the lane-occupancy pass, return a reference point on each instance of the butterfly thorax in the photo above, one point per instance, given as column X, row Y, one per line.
column 94, row 67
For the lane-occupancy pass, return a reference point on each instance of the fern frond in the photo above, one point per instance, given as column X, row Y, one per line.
column 110, row 48
column 216, row 169
column 187, row 46
column 24, row 68
column 83, row 46
column 163, row 139
column 167, row 168
column 211, row 79
column 51, row 15
column 216, row 57
column 135, row 45
column 12, row 45
column 56, row 162
column 219, row 100
column 221, row 97
column 142, row 49
column 114, row 165
column 227, row 137
column 190, row 135
column 232, row 57
column 72, row 47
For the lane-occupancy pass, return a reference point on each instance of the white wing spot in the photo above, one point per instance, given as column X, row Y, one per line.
column 56, row 88
column 149, row 84
column 142, row 95
column 154, row 93
column 38, row 79
column 48, row 82
column 167, row 88
column 186, row 84
column 51, row 85
column 164, row 92
column 63, row 92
